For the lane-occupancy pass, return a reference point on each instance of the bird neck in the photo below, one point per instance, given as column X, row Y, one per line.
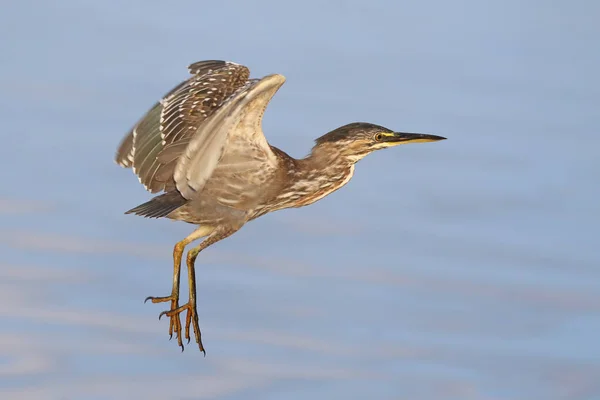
column 318, row 175
column 326, row 157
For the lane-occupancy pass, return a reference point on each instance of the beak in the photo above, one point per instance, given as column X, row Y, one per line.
column 404, row 137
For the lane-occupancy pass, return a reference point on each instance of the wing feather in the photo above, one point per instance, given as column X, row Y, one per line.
column 175, row 119
column 233, row 133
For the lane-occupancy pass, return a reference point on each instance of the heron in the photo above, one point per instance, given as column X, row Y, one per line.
column 202, row 150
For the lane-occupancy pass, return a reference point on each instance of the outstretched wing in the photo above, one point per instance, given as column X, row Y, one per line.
column 154, row 144
column 228, row 158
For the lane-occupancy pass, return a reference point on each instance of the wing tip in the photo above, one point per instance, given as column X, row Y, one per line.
column 125, row 163
column 205, row 66
column 159, row 206
column 124, row 154
column 275, row 78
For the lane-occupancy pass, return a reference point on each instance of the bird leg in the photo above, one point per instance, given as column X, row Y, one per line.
column 191, row 318
column 175, row 322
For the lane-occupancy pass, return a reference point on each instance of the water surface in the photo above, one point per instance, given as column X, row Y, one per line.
column 465, row 269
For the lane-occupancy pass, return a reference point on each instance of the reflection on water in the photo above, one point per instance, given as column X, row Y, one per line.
column 465, row 269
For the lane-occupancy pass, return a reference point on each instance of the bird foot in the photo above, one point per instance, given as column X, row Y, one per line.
column 175, row 322
column 191, row 318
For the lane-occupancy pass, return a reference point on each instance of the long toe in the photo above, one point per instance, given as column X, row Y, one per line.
column 191, row 319
column 160, row 299
column 173, row 314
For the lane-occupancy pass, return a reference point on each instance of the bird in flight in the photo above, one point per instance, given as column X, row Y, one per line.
column 202, row 148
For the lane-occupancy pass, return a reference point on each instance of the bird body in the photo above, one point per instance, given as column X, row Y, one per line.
column 293, row 183
column 203, row 147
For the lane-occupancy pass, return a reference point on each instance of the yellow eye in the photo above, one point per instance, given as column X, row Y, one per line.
column 378, row 137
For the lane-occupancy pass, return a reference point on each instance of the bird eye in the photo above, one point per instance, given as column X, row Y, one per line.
column 378, row 137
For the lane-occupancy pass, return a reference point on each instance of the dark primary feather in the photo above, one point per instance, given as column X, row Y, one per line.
column 147, row 143
column 202, row 94
column 159, row 206
column 125, row 152
column 124, row 155
column 155, row 143
column 203, row 67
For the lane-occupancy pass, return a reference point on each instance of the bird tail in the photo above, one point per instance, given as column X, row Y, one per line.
column 159, row 206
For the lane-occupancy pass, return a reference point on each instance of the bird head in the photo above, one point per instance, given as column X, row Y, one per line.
column 358, row 139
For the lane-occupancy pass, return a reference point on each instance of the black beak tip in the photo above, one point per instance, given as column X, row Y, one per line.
column 409, row 137
column 433, row 138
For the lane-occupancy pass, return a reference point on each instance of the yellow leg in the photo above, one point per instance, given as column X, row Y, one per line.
column 175, row 322
column 191, row 317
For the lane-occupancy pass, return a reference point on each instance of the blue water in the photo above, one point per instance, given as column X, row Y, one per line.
column 464, row 269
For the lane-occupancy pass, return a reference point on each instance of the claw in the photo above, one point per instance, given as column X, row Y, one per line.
column 175, row 326
column 190, row 320
column 161, row 314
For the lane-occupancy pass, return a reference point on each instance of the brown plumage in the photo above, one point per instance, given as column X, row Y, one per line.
column 202, row 145
column 162, row 135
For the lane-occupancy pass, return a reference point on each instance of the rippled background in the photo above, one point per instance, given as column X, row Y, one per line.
column 464, row 269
